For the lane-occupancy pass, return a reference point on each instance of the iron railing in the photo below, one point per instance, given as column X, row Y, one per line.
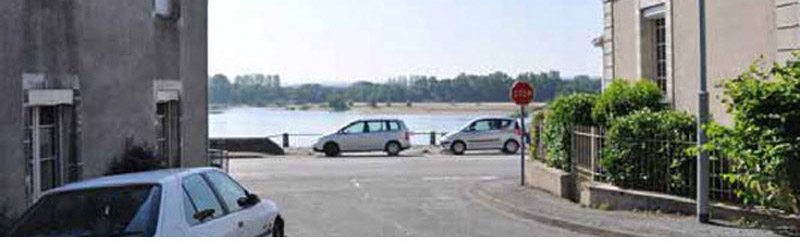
column 658, row 165
column 220, row 159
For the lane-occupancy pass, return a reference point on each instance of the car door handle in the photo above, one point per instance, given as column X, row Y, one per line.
column 241, row 224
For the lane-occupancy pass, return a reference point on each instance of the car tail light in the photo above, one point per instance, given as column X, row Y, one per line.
column 517, row 131
column 407, row 135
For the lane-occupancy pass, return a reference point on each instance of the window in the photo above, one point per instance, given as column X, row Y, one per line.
column 376, row 126
column 661, row 53
column 356, row 128
column 118, row 211
column 168, row 132
column 483, row 125
column 228, row 189
column 201, row 197
column 394, row 126
column 42, row 149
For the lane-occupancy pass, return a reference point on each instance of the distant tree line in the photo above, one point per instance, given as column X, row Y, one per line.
column 263, row 90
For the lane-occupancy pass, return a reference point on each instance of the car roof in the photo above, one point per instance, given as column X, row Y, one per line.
column 149, row 177
column 484, row 118
column 377, row 119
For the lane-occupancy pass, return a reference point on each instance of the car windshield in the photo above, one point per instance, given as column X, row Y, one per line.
column 118, row 211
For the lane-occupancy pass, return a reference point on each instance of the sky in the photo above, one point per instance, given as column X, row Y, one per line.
column 341, row 41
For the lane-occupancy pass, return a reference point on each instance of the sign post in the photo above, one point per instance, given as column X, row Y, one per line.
column 522, row 95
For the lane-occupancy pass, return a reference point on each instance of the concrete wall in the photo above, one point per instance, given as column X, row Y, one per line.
column 194, row 75
column 12, row 182
column 739, row 32
column 625, row 47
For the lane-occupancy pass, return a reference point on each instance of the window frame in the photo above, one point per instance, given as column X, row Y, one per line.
column 194, row 205
column 219, row 195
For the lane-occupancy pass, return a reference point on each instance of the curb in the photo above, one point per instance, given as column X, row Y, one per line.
column 511, row 210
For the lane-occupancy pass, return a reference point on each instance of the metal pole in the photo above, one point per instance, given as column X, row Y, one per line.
column 702, row 119
column 285, row 140
column 522, row 145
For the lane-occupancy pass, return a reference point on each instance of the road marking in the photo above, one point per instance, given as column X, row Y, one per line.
column 459, row 178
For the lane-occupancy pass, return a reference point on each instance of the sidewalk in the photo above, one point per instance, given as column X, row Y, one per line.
column 531, row 204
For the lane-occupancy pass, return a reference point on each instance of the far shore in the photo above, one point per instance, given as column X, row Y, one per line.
column 416, row 108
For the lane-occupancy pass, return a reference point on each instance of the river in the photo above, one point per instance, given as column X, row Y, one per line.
column 262, row 122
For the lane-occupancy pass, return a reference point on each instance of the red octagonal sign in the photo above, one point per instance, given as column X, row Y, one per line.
column 521, row 93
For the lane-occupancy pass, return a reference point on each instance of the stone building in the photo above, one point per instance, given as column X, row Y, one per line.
column 81, row 77
column 658, row 40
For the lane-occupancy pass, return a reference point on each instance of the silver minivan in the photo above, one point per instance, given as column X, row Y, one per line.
column 389, row 135
column 484, row 134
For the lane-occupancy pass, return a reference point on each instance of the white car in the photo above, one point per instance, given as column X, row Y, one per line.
column 389, row 135
column 484, row 134
column 174, row 202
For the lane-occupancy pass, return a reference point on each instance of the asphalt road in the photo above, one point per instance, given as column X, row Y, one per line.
column 373, row 195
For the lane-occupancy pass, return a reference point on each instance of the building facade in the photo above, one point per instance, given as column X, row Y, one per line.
column 81, row 78
column 658, row 40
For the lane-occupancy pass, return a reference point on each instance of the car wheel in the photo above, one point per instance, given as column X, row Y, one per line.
column 277, row 229
column 393, row 148
column 331, row 149
column 511, row 147
column 458, row 148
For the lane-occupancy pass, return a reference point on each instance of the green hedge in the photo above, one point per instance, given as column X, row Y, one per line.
column 623, row 97
column 764, row 142
column 649, row 151
column 564, row 113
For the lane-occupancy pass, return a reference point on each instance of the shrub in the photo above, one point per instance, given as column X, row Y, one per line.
column 136, row 158
column 564, row 113
column 650, row 151
column 536, row 134
column 624, row 97
column 338, row 104
column 764, row 142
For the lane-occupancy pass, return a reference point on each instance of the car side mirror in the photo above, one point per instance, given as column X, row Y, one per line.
column 249, row 200
column 203, row 215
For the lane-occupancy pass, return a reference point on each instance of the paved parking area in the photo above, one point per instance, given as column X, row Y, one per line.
column 423, row 193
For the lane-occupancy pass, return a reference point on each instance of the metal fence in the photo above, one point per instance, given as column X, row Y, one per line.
column 285, row 137
column 658, row 166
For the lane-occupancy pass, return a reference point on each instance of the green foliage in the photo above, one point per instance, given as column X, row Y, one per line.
column 261, row 90
column 624, row 97
column 649, row 150
column 538, row 120
column 564, row 113
column 764, row 142
column 338, row 104
column 135, row 158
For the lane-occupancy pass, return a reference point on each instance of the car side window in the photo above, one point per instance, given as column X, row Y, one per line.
column 356, row 128
column 496, row 124
column 393, row 126
column 228, row 189
column 482, row 125
column 376, row 126
column 506, row 124
column 201, row 198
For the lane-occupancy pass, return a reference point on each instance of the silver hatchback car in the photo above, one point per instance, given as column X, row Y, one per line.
column 484, row 134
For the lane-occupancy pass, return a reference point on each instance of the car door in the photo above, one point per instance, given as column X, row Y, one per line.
column 479, row 135
column 377, row 135
column 198, row 197
column 498, row 133
column 250, row 220
column 351, row 138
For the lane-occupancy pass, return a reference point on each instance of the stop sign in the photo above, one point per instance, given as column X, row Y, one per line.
column 521, row 93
